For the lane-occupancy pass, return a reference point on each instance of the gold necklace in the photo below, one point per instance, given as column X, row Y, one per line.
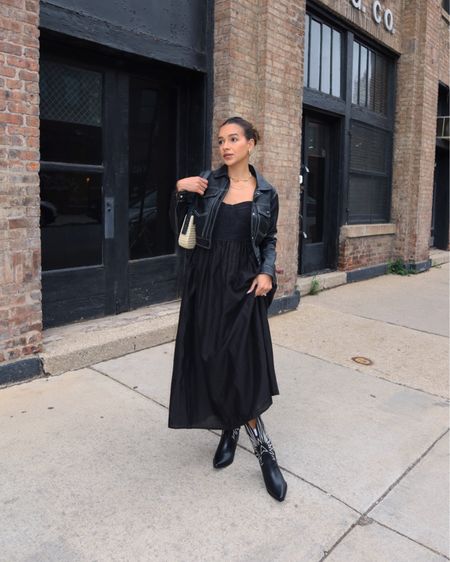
column 242, row 179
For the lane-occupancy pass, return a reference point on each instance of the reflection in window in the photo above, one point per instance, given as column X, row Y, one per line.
column 317, row 162
column 71, row 219
column 336, row 64
column 363, row 76
column 369, row 79
column 71, row 111
column 152, row 168
column 325, row 73
column 355, row 74
column 314, row 56
column 322, row 57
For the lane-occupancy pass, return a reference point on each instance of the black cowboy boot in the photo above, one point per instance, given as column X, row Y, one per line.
column 275, row 483
column 227, row 446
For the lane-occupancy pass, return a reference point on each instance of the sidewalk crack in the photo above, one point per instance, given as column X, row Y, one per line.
column 365, row 520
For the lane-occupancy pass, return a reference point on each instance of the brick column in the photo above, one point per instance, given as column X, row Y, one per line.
column 415, row 129
column 258, row 72
column 20, row 289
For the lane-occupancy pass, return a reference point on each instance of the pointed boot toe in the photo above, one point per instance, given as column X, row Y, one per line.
column 275, row 483
column 226, row 449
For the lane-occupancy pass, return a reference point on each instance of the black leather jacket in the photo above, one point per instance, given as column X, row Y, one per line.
column 263, row 222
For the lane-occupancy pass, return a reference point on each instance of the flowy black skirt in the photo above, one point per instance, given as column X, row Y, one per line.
column 223, row 370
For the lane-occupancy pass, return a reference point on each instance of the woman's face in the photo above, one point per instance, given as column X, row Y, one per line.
column 233, row 145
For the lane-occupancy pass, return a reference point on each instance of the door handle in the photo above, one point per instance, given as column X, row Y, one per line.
column 109, row 217
column 302, row 232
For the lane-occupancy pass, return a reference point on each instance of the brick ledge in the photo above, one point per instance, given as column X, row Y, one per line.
column 361, row 230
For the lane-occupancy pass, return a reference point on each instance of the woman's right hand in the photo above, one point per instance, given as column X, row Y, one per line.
column 195, row 184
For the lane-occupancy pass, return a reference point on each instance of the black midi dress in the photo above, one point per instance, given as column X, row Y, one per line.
column 223, row 370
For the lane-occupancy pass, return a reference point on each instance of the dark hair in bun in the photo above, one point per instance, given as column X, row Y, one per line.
column 249, row 130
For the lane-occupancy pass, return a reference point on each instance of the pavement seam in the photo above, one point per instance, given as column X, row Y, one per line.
column 127, row 386
column 445, row 398
column 403, row 326
column 352, row 314
column 364, row 519
column 409, row 538
column 251, row 452
column 406, row 472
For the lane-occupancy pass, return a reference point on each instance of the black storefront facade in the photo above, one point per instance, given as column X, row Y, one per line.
column 126, row 103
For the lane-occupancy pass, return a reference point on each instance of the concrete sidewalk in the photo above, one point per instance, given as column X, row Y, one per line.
column 91, row 472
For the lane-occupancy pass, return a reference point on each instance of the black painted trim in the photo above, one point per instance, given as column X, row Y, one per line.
column 209, row 86
column 89, row 28
column 20, row 370
column 325, row 102
column 420, row 266
column 382, row 269
column 285, row 304
column 71, row 167
column 366, row 272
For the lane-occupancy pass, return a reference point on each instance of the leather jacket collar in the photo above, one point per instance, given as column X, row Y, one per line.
column 261, row 181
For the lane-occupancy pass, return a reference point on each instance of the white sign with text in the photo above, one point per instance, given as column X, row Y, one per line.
column 380, row 13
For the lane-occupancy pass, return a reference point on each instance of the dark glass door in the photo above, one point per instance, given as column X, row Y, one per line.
column 318, row 204
column 113, row 143
column 72, row 183
column 440, row 217
column 152, row 174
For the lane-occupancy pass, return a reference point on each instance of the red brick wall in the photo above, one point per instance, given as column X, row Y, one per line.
column 415, row 129
column 258, row 69
column 444, row 48
column 364, row 251
column 20, row 290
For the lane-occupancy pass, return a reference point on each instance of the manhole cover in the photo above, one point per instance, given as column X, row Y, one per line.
column 362, row 360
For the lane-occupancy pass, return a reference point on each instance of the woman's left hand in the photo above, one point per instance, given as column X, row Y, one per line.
column 262, row 283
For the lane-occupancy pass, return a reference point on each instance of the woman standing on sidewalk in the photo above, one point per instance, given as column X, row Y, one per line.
column 223, row 372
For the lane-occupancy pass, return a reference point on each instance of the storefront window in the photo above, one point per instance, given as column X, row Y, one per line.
column 369, row 174
column 322, row 57
column 369, row 80
column 71, row 166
